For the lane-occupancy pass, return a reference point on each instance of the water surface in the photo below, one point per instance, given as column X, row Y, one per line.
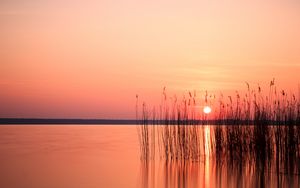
column 108, row 156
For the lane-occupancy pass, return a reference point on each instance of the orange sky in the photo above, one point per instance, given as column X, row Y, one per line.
column 88, row 59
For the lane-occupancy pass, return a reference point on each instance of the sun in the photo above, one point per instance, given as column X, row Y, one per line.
column 207, row 109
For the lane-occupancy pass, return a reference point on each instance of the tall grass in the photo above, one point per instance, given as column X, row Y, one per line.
column 257, row 124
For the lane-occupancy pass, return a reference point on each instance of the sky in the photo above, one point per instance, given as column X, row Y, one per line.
column 89, row 59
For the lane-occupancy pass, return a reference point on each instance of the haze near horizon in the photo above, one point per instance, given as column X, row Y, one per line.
column 88, row 59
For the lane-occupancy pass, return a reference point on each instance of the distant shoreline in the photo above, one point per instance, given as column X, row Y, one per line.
column 25, row 121
column 41, row 121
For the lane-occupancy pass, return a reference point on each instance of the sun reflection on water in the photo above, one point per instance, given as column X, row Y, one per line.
column 207, row 152
column 214, row 171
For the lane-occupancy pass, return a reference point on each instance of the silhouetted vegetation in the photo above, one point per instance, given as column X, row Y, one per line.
column 257, row 125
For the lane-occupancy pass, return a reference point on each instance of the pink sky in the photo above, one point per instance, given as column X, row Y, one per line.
column 88, row 59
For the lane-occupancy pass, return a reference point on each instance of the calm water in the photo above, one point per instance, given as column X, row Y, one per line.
column 108, row 156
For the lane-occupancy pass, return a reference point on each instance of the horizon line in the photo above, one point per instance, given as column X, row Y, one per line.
column 95, row 121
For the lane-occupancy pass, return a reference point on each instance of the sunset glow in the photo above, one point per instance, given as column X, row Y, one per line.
column 207, row 110
column 139, row 93
column 69, row 59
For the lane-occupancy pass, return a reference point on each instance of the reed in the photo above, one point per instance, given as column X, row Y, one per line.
column 263, row 126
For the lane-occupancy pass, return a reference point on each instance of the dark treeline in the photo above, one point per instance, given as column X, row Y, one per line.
column 229, row 122
column 39, row 121
column 5, row 121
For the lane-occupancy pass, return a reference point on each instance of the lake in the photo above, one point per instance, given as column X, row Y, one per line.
column 109, row 156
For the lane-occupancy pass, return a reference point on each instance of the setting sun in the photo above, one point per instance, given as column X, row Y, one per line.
column 178, row 93
column 207, row 110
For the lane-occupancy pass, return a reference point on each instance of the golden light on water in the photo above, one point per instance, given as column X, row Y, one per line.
column 207, row 151
column 207, row 110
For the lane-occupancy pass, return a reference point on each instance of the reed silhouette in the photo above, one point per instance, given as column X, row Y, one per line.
column 261, row 126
